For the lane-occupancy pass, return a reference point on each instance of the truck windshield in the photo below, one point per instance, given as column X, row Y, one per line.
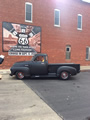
column 32, row 58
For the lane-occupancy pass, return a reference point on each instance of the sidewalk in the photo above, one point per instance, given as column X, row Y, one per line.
column 85, row 68
column 19, row 102
column 4, row 71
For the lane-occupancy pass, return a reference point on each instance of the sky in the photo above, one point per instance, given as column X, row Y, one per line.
column 86, row 1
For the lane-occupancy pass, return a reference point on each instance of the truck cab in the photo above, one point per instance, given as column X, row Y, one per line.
column 39, row 65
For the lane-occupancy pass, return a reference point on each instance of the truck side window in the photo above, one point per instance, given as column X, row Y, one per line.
column 36, row 59
column 39, row 58
column 43, row 59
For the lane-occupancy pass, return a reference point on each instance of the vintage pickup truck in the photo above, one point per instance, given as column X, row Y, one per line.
column 39, row 67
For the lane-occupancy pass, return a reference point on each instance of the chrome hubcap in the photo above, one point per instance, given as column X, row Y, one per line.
column 64, row 75
column 20, row 75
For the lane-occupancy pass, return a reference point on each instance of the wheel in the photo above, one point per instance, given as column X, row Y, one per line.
column 20, row 75
column 64, row 75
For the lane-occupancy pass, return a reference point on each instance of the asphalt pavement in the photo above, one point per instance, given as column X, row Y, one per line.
column 70, row 98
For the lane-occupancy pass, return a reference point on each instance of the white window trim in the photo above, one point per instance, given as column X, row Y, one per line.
column 31, row 12
column 81, row 22
column 88, row 53
column 54, row 17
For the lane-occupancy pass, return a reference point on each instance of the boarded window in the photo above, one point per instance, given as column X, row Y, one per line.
column 88, row 53
column 68, row 51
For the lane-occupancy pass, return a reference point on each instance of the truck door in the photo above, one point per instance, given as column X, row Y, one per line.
column 39, row 66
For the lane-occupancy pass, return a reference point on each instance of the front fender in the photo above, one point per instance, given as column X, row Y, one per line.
column 69, row 69
column 25, row 70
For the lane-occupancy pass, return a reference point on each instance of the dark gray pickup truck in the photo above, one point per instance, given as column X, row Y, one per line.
column 39, row 67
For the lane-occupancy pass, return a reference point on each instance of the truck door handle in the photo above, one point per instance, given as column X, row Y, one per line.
column 42, row 63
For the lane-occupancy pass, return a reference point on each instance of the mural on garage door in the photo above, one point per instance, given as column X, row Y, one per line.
column 20, row 39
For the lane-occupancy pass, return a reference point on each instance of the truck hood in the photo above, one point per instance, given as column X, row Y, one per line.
column 21, row 63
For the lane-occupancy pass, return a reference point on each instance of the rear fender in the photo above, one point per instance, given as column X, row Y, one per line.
column 69, row 69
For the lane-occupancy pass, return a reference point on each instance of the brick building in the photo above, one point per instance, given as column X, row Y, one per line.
column 60, row 28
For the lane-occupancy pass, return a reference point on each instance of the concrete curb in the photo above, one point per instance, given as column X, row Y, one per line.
column 85, row 70
column 5, row 71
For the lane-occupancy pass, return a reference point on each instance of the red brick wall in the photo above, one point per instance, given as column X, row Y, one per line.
column 54, row 39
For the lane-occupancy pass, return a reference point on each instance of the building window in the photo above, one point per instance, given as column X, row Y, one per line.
column 79, row 24
column 28, row 12
column 57, row 17
column 68, row 51
column 88, row 53
column 88, row 1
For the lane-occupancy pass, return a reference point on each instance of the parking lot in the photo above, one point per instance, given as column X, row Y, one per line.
column 70, row 98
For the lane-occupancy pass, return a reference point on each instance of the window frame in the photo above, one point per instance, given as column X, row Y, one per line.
column 28, row 3
column 81, row 21
column 54, row 17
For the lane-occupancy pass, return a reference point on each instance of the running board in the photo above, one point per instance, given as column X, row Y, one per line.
column 49, row 75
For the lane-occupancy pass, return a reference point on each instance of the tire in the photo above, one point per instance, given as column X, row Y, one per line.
column 20, row 75
column 64, row 75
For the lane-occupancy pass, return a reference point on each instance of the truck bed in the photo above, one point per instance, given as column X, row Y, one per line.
column 54, row 66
